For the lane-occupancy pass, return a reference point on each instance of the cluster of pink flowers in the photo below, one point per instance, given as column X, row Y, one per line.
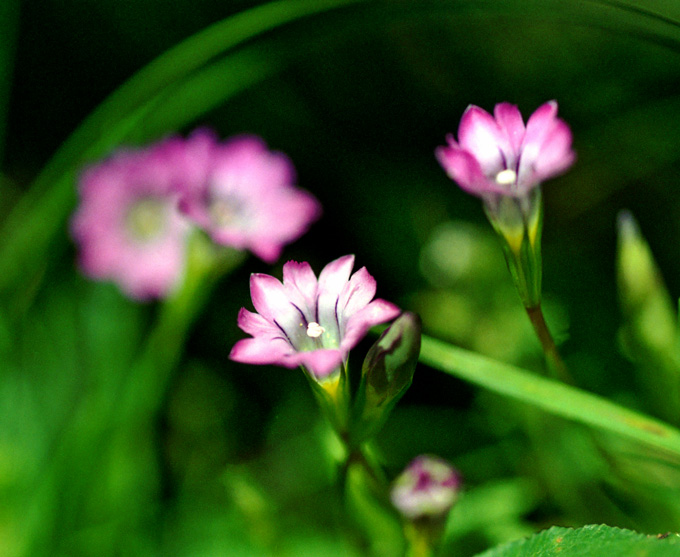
column 137, row 208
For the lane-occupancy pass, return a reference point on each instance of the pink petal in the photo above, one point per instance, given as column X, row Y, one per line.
column 332, row 280
column 463, row 168
column 540, row 123
column 285, row 216
column 271, row 301
column 262, row 352
column 335, row 275
column 511, row 124
column 256, row 325
column 480, row 135
column 555, row 154
column 151, row 273
column 546, row 150
column 300, row 278
column 377, row 312
column 266, row 250
column 357, row 293
column 320, row 362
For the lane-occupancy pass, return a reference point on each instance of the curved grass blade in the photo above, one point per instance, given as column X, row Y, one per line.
column 550, row 396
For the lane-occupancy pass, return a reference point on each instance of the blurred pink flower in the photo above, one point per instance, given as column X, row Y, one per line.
column 248, row 200
column 127, row 225
column 309, row 322
column 428, row 487
column 499, row 155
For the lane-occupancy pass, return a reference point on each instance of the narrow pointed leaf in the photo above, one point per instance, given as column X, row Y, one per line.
column 551, row 396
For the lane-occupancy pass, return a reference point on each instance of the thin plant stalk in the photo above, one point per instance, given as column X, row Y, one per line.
column 555, row 362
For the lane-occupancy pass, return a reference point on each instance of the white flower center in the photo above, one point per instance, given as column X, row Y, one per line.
column 147, row 218
column 506, row 177
column 314, row 330
column 223, row 212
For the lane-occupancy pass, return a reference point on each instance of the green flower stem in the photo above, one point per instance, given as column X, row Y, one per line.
column 519, row 224
column 555, row 363
column 163, row 347
column 335, row 401
column 421, row 539
column 364, row 456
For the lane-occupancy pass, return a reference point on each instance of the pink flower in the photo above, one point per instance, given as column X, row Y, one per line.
column 309, row 322
column 248, row 200
column 499, row 155
column 428, row 487
column 127, row 225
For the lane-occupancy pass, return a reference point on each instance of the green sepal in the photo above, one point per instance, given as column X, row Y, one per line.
column 519, row 223
column 332, row 395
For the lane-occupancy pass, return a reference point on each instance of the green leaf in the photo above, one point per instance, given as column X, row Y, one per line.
column 551, row 396
column 649, row 330
column 590, row 541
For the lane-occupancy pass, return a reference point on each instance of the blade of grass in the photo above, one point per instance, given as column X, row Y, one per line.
column 205, row 90
column 550, row 396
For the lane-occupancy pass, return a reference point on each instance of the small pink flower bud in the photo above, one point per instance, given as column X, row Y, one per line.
column 427, row 488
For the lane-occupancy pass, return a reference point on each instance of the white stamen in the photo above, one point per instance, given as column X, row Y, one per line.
column 506, row 177
column 314, row 330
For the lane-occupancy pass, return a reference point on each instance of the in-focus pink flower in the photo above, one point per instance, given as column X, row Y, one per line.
column 500, row 155
column 128, row 226
column 309, row 322
column 428, row 487
column 248, row 199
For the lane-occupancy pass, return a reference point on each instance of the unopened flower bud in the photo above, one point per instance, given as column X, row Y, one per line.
column 427, row 488
column 386, row 374
column 391, row 361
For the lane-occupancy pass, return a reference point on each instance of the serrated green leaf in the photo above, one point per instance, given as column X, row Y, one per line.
column 589, row 541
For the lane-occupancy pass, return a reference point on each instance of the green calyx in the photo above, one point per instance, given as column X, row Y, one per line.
column 519, row 223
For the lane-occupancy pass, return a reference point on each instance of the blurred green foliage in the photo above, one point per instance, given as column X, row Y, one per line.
column 225, row 459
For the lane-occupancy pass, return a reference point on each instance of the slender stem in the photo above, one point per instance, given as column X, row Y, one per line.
column 418, row 545
column 359, row 455
column 555, row 362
